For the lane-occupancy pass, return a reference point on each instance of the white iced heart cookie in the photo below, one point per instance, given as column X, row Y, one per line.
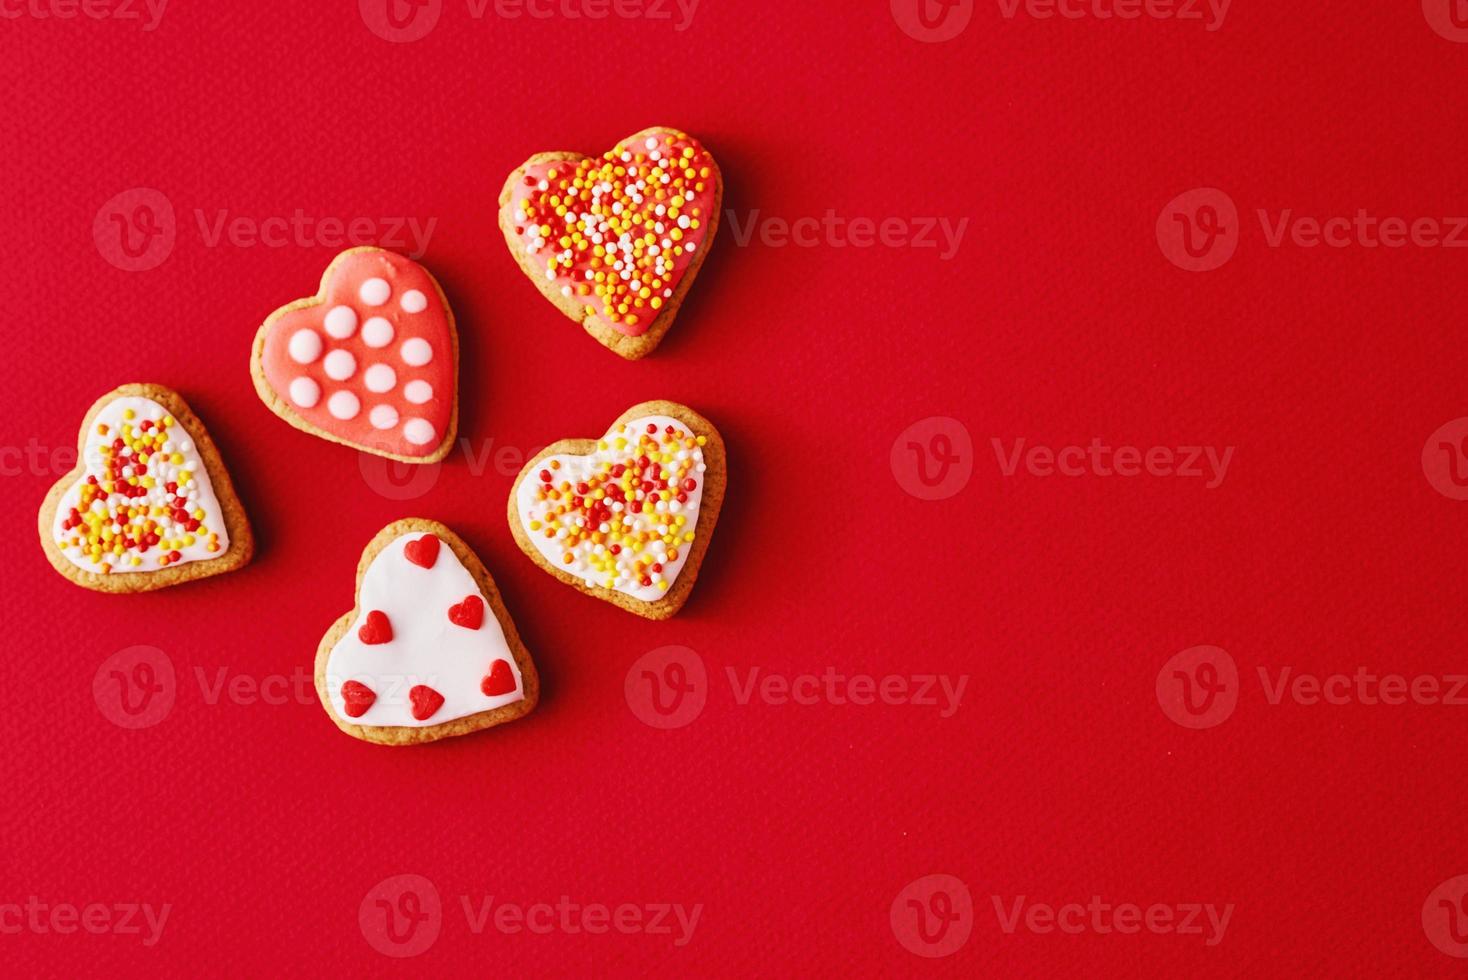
column 626, row 517
column 149, row 504
column 429, row 651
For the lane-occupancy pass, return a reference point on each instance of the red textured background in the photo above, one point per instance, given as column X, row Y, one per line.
column 1059, row 320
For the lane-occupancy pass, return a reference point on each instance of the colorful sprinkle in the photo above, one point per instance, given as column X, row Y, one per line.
column 618, row 232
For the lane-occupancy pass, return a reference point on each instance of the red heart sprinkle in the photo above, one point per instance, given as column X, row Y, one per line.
column 425, row 701
column 468, row 614
column 499, row 680
column 358, row 698
column 423, row 552
column 377, row 629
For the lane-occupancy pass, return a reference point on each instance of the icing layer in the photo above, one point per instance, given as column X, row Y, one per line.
column 624, row 517
column 617, row 233
column 373, row 363
column 414, row 655
column 145, row 501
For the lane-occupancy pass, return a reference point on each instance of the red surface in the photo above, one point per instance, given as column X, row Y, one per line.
column 1059, row 777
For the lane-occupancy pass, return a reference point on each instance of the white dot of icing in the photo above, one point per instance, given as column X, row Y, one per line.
column 418, row 431
column 374, row 291
column 383, row 416
column 418, row 392
column 305, row 346
column 414, row 301
column 377, row 332
column 341, row 321
column 340, row 365
column 417, row 352
column 343, row 405
column 380, row 378
column 305, row 392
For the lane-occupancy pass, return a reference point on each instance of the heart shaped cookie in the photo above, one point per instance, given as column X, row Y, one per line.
column 371, row 361
column 149, row 504
column 616, row 241
column 627, row 517
column 418, row 659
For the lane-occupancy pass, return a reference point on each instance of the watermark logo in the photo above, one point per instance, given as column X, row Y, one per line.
column 395, row 480
column 933, row 916
column 399, row 481
column 401, row 916
column 135, row 687
column 1198, row 231
column 135, row 230
column 1199, row 687
column 933, row 21
column 667, row 687
column 933, row 459
column 400, row 21
column 1445, row 459
column 1449, row 18
column 1445, row 917
column 1201, row 230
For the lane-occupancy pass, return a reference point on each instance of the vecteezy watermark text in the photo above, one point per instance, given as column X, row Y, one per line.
column 835, row 688
column 141, row 919
column 671, row 919
column 306, row 231
column 122, row 11
column 1102, row 918
column 405, row 21
column 1201, row 230
column 403, row 916
column 137, row 230
column 1211, row 13
column 1099, row 459
column 832, row 230
column 1201, row 686
column 669, row 687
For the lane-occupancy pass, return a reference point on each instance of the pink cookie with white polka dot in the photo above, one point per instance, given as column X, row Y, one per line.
column 370, row 361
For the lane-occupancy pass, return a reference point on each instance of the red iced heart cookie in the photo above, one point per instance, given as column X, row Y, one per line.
column 358, row 698
column 431, row 682
column 377, row 629
column 422, row 551
column 499, row 680
column 370, row 361
column 426, row 701
column 616, row 241
column 468, row 614
column 626, row 517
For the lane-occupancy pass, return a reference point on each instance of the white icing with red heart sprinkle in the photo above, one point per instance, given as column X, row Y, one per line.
column 425, row 647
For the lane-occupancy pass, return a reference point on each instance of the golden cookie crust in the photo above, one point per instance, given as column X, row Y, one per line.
column 241, row 539
column 407, row 735
column 631, row 348
column 277, row 404
column 715, row 482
